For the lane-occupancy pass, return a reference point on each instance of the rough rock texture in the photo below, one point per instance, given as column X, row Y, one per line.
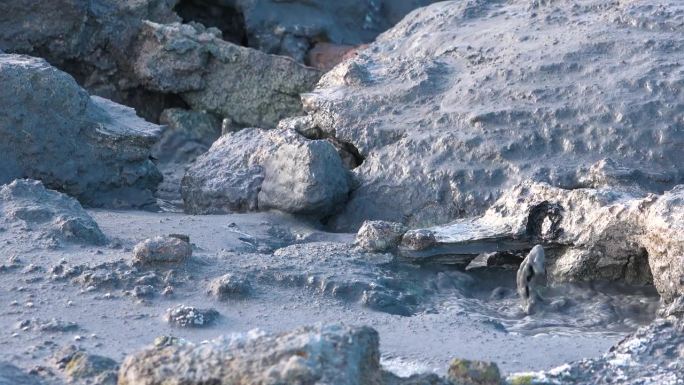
column 652, row 355
column 305, row 178
column 249, row 87
column 190, row 317
column 88, row 147
column 82, row 368
column 465, row 372
column 465, row 98
column 11, row 375
column 293, row 27
column 331, row 354
column 167, row 249
column 92, row 40
column 591, row 234
column 49, row 216
column 230, row 286
column 259, row 169
column 379, row 236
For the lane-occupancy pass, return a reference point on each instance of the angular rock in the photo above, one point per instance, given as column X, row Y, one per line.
column 49, row 216
column 249, row 87
column 88, row 147
column 92, row 40
column 160, row 249
column 330, row 354
column 446, row 122
column 652, row 355
column 305, row 178
column 466, row 372
column 230, row 286
column 259, row 169
column 379, row 236
column 190, row 317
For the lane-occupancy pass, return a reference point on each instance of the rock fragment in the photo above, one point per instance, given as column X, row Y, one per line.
column 379, row 236
column 50, row 216
column 190, row 317
column 308, row 355
column 162, row 249
column 230, row 286
column 79, row 367
column 531, row 275
column 466, row 372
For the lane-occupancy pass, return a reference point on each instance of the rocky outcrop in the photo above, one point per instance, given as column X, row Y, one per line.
column 36, row 215
column 309, row 355
column 591, row 234
column 651, row 355
column 11, row 375
column 247, row 86
column 87, row 147
column 259, row 169
column 446, row 121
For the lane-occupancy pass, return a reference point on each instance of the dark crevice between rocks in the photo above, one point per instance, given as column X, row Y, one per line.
column 218, row 14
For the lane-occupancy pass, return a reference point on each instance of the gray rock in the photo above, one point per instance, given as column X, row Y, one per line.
column 305, row 178
column 190, row 317
column 247, row 86
column 259, row 169
column 651, row 355
column 11, row 375
column 330, row 354
column 379, row 236
column 92, row 40
column 447, row 122
column 160, row 249
column 88, row 147
column 230, row 286
column 531, row 275
column 420, row 239
column 50, row 217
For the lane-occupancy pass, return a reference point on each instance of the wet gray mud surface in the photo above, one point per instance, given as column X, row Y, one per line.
column 283, row 274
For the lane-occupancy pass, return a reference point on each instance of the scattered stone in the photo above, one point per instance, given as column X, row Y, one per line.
column 248, row 86
column 190, row 317
column 160, row 249
column 317, row 354
column 380, row 236
column 88, row 147
column 230, row 286
column 418, row 239
column 51, row 217
column 466, row 372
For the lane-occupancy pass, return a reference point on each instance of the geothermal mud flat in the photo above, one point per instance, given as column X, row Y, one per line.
column 206, row 192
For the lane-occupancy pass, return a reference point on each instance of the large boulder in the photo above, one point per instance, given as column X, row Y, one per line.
column 92, row 40
column 461, row 100
column 256, row 169
column 331, row 354
column 49, row 216
column 88, row 147
column 248, row 86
